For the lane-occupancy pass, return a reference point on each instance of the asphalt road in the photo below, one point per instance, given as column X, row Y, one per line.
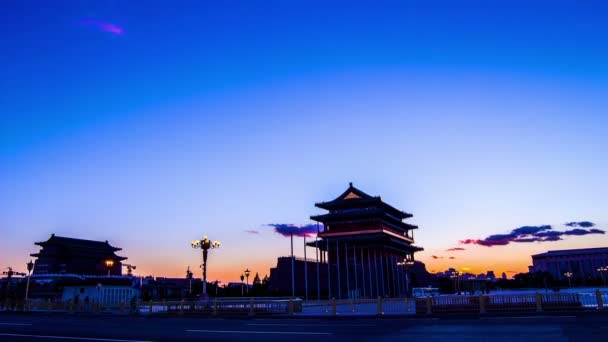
column 577, row 327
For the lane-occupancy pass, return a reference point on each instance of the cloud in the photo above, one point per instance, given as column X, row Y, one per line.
column 288, row 230
column 452, row 257
column 436, row 257
column 252, row 231
column 530, row 229
column 103, row 26
column 582, row 224
column 527, row 234
column 455, row 249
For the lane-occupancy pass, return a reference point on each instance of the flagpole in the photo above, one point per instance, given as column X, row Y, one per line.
column 305, row 272
column 293, row 277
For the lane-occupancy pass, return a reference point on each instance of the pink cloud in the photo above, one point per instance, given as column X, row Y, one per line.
column 103, row 26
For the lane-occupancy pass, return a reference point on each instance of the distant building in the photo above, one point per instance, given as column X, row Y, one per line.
column 63, row 255
column 280, row 277
column 109, row 292
column 161, row 288
column 582, row 263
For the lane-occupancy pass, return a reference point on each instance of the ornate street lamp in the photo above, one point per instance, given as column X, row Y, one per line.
column 242, row 278
column 189, row 277
column 30, row 267
column 205, row 244
column 247, row 272
column 569, row 276
column 9, row 274
column 109, row 265
column 603, row 270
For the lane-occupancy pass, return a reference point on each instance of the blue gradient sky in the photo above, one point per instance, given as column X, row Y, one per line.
column 218, row 117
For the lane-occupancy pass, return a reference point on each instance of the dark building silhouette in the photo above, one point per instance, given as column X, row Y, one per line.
column 280, row 277
column 366, row 245
column 63, row 255
column 581, row 263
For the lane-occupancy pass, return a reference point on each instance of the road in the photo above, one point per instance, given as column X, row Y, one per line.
column 576, row 327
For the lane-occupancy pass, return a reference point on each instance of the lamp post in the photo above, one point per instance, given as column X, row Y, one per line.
column 130, row 269
column 189, row 277
column 406, row 264
column 109, row 265
column 569, row 276
column 9, row 274
column 242, row 278
column 247, row 272
column 456, row 276
column 602, row 270
column 217, row 284
column 205, row 244
column 30, row 267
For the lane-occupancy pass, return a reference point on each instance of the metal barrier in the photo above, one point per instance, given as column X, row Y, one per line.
column 530, row 302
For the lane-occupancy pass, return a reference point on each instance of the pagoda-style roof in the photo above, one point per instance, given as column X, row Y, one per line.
column 370, row 239
column 354, row 198
column 79, row 247
column 363, row 216
column 78, row 243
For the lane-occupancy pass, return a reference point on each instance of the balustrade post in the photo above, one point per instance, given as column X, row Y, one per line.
column 380, row 312
column 334, row 310
column 600, row 300
column 539, row 303
column 482, row 304
column 429, row 305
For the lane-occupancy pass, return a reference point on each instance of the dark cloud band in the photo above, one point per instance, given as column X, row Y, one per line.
column 544, row 233
column 292, row 229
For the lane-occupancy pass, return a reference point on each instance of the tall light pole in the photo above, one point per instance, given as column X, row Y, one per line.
column 109, row 265
column 247, row 272
column 30, row 267
column 205, row 244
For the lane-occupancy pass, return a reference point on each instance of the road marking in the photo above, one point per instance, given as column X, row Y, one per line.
column 260, row 332
column 15, row 323
column 71, row 338
column 527, row 317
column 311, row 324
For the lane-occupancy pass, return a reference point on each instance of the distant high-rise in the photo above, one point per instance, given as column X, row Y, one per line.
column 63, row 255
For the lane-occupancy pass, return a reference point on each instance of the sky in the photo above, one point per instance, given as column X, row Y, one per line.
column 153, row 123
